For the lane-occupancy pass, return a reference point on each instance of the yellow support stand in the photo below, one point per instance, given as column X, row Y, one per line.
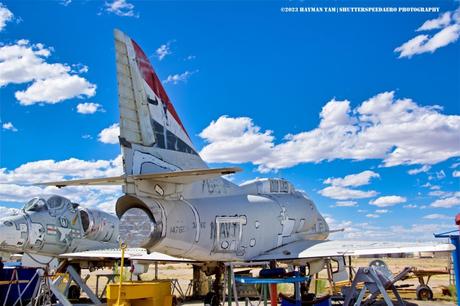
column 156, row 293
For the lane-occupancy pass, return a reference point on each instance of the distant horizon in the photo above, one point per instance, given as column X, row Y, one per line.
column 361, row 111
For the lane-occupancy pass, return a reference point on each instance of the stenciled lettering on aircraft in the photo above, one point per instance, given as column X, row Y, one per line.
column 227, row 233
column 202, row 225
column 212, row 186
column 177, row 229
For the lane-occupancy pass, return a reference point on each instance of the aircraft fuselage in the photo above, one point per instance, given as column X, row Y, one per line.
column 230, row 223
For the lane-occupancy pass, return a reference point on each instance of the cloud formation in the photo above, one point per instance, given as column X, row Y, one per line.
column 25, row 63
column 9, row 126
column 341, row 193
column 353, row 180
column 339, row 187
column 5, row 16
column 121, row 8
column 437, row 217
column 163, row 50
column 16, row 185
column 89, row 108
column 346, row 204
column 449, row 23
column 387, row 201
column 447, row 200
column 177, row 78
column 110, row 135
column 396, row 131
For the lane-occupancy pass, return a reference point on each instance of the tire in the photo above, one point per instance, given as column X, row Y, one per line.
column 74, row 292
column 424, row 293
column 211, row 299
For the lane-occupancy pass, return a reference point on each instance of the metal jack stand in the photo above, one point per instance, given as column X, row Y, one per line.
column 376, row 282
column 48, row 289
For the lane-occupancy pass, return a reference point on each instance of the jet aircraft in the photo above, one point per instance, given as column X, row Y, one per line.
column 175, row 204
column 48, row 226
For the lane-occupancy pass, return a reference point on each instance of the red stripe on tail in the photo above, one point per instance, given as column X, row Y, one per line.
column 151, row 78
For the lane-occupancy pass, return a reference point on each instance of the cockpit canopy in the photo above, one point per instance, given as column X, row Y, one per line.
column 52, row 203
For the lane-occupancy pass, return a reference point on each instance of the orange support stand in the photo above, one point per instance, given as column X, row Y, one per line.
column 273, row 295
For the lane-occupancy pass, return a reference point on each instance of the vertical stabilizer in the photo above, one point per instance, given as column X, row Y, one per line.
column 152, row 136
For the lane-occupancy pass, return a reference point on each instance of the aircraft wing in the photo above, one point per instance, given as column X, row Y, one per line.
column 177, row 177
column 112, row 254
column 334, row 248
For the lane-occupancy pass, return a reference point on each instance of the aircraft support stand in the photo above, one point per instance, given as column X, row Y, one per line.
column 48, row 288
column 373, row 281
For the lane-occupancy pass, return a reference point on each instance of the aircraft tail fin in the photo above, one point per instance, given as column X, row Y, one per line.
column 152, row 136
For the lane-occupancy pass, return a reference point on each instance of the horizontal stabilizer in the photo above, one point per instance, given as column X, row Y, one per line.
column 333, row 248
column 186, row 176
column 176, row 177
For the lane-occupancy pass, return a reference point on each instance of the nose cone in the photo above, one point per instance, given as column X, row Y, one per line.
column 10, row 234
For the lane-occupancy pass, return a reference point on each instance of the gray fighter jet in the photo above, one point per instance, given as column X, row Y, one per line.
column 176, row 205
column 53, row 225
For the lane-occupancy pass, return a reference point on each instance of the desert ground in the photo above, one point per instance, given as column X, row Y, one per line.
column 182, row 275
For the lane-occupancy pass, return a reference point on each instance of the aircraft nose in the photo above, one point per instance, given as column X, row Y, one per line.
column 10, row 237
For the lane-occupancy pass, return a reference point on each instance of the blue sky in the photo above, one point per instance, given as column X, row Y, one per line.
column 272, row 74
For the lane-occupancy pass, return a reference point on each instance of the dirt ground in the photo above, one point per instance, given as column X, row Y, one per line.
column 182, row 275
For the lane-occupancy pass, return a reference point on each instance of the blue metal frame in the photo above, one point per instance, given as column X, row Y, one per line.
column 454, row 237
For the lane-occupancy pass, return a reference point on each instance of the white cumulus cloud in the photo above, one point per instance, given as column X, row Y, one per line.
column 15, row 184
column 447, row 202
column 346, row 203
column 235, row 140
column 415, row 171
column 25, row 63
column 437, row 23
column 437, row 217
column 56, row 89
column 373, row 216
column 163, row 50
column 448, row 33
column 341, row 193
column 110, row 134
column 121, row 8
column 89, row 108
column 397, row 131
column 177, row 78
column 5, row 16
column 387, row 201
column 354, row 180
column 9, row 126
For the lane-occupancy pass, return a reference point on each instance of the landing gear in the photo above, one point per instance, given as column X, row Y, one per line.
column 213, row 297
column 424, row 293
column 74, row 292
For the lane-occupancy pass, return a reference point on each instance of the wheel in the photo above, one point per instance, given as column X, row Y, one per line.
column 211, row 299
column 74, row 292
column 378, row 263
column 424, row 293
